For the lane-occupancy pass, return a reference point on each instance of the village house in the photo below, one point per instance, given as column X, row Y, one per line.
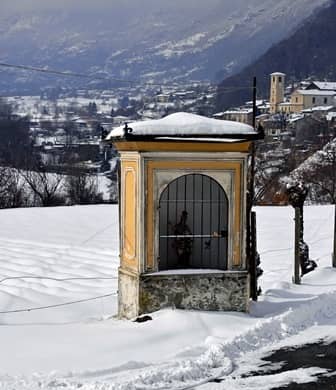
column 303, row 99
column 243, row 115
column 312, row 95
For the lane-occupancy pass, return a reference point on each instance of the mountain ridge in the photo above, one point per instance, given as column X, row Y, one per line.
column 165, row 44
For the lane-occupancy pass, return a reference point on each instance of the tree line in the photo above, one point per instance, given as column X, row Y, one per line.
column 26, row 180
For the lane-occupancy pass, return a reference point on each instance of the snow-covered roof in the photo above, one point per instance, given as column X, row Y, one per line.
column 331, row 116
column 315, row 92
column 184, row 124
column 325, row 85
column 259, row 102
column 318, row 108
column 295, row 117
column 239, row 111
column 278, row 74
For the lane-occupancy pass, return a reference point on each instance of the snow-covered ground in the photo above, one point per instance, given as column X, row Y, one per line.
column 69, row 254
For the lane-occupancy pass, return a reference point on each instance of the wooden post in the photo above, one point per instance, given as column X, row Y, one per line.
column 296, row 277
column 334, row 251
column 249, row 201
column 254, row 284
column 254, row 102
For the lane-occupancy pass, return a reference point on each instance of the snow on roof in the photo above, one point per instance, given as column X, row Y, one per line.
column 278, row 74
column 316, row 92
column 258, row 102
column 240, row 111
column 318, row 108
column 184, row 124
column 331, row 116
column 295, row 117
column 325, row 85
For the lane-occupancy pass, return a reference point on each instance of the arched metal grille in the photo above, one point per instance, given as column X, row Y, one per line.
column 193, row 224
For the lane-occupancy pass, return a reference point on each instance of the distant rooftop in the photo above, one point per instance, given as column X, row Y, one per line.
column 316, row 92
column 185, row 125
column 240, row 111
column 325, row 85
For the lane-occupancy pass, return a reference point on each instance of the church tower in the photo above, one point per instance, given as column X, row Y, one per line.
column 277, row 90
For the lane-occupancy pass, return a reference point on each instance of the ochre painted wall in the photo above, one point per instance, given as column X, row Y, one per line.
column 129, row 179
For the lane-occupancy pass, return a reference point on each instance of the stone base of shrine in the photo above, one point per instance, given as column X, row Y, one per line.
column 209, row 290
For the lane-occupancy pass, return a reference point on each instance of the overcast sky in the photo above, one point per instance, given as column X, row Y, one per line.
column 34, row 5
column 68, row 4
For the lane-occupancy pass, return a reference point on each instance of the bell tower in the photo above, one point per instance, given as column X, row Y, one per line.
column 277, row 90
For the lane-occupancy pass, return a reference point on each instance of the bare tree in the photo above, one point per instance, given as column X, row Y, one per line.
column 45, row 186
column 319, row 172
column 12, row 191
column 5, row 109
column 81, row 188
column 15, row 142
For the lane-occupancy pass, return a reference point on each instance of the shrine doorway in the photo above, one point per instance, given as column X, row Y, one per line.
column 193, row 224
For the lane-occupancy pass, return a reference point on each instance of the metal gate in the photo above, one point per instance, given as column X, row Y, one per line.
column 193, row 224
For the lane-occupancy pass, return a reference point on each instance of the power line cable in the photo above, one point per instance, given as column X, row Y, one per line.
column 96, row 234
column 58, row 305
column 111, row 78
column 58, row 279
column 84, row 75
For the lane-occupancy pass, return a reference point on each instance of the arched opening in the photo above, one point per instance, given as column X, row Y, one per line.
column 193, row 224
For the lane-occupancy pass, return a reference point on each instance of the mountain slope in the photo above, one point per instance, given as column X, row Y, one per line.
column 310, row 51
column 154, row 40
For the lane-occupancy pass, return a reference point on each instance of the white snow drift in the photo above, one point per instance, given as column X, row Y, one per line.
column 59, row 256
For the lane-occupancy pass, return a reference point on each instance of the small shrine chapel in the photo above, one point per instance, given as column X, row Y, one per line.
column 183, row 213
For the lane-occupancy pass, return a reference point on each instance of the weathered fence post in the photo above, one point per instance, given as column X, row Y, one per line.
column 334, row 250
column 297, row 195
column 296, row 277
column 256, row 270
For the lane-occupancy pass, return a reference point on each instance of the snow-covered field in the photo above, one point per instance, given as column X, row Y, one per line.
column 59, row 256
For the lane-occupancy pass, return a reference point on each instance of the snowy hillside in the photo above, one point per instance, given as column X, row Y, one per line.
column 318, row 172
column 153, row 40
column 69, row 255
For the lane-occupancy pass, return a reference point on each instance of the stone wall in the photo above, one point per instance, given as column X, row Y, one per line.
column 227, row 291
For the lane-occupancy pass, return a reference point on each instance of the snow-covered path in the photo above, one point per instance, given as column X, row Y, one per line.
column 82, row 345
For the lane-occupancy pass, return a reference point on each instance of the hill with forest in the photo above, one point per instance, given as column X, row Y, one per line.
column 308, row 53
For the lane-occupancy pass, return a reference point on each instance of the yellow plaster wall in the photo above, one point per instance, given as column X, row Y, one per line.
column 234, row 166
column 129, row 198
column 297, row 102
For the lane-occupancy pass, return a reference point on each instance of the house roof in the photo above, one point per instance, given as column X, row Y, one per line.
column 318, row 108
column 330, row 116
column 315, row 92
column 240, row 111
column 325, row 85
column 184, row 125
